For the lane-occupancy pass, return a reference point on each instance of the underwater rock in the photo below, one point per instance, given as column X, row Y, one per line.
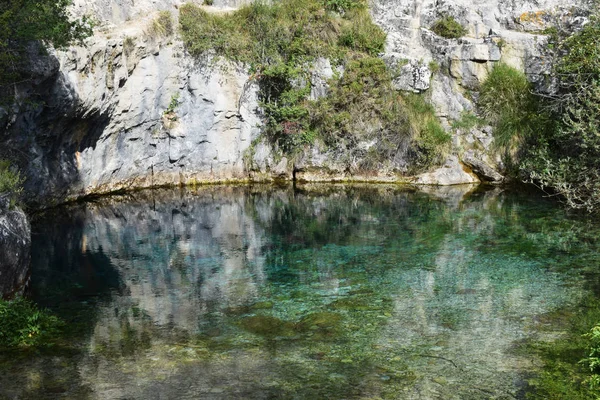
column 320, row 320
column 265, row 325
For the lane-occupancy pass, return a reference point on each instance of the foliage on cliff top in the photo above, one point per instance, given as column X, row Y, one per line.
column 23, row 21
column 293, row 30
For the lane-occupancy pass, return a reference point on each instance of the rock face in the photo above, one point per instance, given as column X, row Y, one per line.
column 497, row 31
column 131, row 109
column 133, row 112
column 15, row 243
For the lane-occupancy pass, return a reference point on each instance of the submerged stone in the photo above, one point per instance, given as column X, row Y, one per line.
column 319, row 320
column 265, row 325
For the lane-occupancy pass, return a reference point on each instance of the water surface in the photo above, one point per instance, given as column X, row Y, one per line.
column 337, row 292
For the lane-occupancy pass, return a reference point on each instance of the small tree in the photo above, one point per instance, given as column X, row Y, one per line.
column 24, row 21
column 567, row 158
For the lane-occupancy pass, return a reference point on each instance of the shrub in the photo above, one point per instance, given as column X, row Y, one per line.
column 431, row 139
column 362, row 34
column 203, row 32
column 23, row 21
column 11, row 183
column 261, row 34
column 448, row 27
column 208, row 2
column 434, row 67
column 592, row 361
column 506, row 102
column 363, row 106
column 23, row 324
column 342, row 6
column 567, row 157
column 162, row 26
column 173, row 104
column 284, row 89
column 128, row 45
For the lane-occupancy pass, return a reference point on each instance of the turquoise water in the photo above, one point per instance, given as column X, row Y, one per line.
column 337, row 292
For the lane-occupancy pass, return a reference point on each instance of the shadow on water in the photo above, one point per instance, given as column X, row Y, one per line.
column 317, row 291
column 70, row 282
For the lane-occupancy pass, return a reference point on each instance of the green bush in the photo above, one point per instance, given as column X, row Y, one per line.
column 260, row 33
column 342, row 6
column 361, row 99
column 506, row 101
column 592, row 361
column 11, row 183
column 363, row 106
column 431, row 139
column 449, row 28
column 23, row 324
column 128, row 45
column 566, row 158
column 362, row 34
column 284, row 90
column 162, row 26
column 23, row 21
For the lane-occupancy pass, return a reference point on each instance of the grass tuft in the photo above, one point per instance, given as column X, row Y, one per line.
column 449, row 28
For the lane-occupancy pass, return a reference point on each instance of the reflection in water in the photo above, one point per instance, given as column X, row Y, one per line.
column 324, row 292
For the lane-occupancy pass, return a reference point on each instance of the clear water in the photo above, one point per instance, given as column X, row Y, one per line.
column 325, row 292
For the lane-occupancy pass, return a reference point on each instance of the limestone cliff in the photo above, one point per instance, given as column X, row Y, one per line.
column 131, row 109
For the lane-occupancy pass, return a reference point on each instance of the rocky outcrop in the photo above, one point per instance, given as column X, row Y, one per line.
column 482, row 169
column 15, row 243
column 497, row 31
column 131, row 109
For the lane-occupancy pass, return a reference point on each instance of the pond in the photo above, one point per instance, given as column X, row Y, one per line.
column 337, row 292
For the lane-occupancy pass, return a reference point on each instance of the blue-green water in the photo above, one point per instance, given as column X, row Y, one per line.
column 323, row 292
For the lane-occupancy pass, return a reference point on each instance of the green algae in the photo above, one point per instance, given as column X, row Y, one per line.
column 262, row 305
column 563, row 374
